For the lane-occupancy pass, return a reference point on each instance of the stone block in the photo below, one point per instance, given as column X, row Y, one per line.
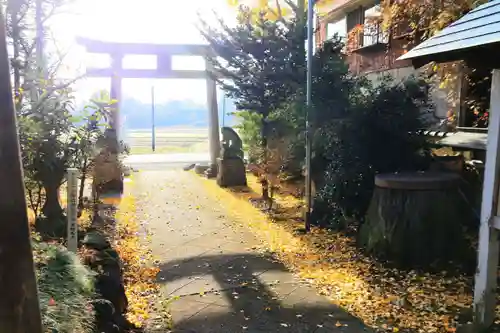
column 200, row 168
column 231, row 172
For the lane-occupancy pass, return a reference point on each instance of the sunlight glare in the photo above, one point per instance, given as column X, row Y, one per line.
column 139, row 61
column 134, row 21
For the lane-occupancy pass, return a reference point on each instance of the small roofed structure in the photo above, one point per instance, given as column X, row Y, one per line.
column 475, row 39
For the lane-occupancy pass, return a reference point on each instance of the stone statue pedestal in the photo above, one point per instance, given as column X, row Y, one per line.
column 231, row 172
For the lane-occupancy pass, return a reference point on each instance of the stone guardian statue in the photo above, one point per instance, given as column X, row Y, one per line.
column 231, row 167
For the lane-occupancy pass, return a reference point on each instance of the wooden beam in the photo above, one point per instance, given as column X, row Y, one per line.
column 146, row 73
column 19, row 307
column 97, row 46
column 486, row 274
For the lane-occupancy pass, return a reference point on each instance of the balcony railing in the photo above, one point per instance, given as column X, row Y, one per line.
column 364, row 36
column 374, row 34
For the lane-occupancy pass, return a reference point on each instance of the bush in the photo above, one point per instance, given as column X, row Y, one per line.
column 334, row 90
column 376, row 136
column 65, row 290
column 249, row 129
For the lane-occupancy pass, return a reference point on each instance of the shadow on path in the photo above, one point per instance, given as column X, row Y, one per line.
column 246, row 292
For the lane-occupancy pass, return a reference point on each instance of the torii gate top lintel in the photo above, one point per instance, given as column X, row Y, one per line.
column 97, row 46
column 163, row 52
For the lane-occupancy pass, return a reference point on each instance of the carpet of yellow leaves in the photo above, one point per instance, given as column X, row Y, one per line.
column 386, row 299
column 139, row 273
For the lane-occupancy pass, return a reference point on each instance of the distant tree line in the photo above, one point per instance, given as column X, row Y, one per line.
column 137, row 114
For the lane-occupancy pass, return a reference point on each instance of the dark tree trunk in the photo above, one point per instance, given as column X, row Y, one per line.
column 264, row 181
column 52, row 208
column 53, row 223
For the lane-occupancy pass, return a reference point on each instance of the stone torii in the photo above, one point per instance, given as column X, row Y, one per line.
column 163, row 70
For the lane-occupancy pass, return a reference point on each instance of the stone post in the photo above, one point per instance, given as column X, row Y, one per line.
column 72, row 210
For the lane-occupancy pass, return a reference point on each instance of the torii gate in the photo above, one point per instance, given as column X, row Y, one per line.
column 164, row 70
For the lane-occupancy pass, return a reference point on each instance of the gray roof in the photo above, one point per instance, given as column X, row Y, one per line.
column 479, row 27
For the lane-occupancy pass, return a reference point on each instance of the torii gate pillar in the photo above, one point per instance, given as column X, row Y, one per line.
column 116, row 92
column 163, row 70
column 213, row 123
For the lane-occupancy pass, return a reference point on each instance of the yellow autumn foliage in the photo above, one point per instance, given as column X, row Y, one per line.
column 139, row 273
column 385, row 298
column 321, row 6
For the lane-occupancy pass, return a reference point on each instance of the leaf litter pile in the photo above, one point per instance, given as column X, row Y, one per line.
column 386, row 299
column 139, row 272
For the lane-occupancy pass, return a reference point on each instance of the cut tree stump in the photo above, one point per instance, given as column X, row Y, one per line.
column 415, row 219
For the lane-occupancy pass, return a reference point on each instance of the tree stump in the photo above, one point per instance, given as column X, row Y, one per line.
column 415, row 219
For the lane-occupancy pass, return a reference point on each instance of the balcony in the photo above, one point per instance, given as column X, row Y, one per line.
column 368, row 38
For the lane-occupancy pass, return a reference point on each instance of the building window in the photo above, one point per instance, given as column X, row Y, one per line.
column 338, row 27
column 354, row 18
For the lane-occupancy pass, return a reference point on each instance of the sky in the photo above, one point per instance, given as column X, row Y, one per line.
column 147, row 21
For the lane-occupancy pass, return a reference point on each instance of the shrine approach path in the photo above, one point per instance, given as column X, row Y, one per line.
column 212, row 271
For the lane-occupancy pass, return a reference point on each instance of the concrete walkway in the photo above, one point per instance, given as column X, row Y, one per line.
column 220, row 283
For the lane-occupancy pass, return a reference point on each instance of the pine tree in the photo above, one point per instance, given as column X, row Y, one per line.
column 259, row 64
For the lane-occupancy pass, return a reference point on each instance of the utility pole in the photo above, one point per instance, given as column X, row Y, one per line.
column 310, row 11
column 223, row 109
column 19, row 309
column 153, row 135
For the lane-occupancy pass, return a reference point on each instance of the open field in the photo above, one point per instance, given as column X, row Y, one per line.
column 168, row 140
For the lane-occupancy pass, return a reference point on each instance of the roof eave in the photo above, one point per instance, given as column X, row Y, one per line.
column 337, row 11
column 480, row 55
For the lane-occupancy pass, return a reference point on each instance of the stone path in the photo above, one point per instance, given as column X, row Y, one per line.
column 220, row 283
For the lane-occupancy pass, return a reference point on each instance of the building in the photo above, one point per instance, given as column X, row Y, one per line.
column 372, row 51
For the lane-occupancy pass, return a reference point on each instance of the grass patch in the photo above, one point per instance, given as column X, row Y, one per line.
column 65, row 289
column 169, row 132
column 387, row 299
column 137, row 150
column 198, row 147
column 139, row 270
